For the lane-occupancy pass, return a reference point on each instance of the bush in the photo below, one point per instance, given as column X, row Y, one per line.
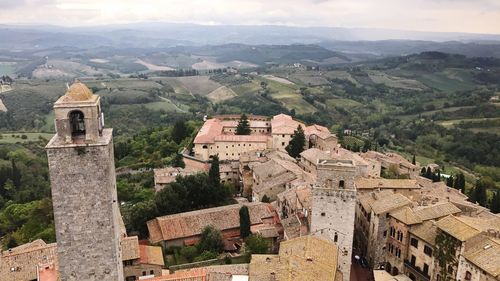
column 206, row 255
column 189, row 253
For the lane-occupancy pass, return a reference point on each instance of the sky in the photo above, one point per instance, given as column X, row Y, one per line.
column 473, row 16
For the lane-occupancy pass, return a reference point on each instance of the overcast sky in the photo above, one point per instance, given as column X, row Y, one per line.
column 476, row 16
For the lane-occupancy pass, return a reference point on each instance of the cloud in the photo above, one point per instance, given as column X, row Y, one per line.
column 479, row 16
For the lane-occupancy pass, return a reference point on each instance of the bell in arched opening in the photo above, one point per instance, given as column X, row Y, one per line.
column 77, row 123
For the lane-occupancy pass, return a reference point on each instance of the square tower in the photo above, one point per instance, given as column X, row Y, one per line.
column 82, row 175
column 333, row 208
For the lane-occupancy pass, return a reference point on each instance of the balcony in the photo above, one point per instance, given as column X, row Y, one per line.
column 416, row 270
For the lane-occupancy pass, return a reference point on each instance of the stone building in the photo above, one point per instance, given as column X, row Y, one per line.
column 164, row 176
column 140, row 261
column 217, row 136
column 419, row 261
column 481, row 258
column 333, row 208
column 306, row 258
column 386, row 160
column 401, row 223
column 82, row 175
column 184, row 229
column 372, row 217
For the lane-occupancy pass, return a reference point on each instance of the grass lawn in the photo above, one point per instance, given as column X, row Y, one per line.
column 9, row 138
column 166, row 105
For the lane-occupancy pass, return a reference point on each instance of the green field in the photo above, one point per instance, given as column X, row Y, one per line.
column 449, row 80
column 451, row 123
column 17, row 137
column 7, row 69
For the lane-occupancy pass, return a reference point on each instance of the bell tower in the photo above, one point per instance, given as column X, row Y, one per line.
column 333, row 207
column 82, row 175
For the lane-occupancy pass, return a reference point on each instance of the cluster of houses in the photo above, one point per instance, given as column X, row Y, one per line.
column 318, row 212
column 337, row 195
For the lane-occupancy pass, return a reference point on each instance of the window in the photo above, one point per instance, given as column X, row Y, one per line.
column 323, row 214
column 144, row 273
column 413, row 260
column 335, row 238
column 428, row 250
column 385, row 233
column 282, row 143
column 341, row 184
column 283, row 135
column 151, row 272
column 414, row 242
column 468, row 275
column 426, row 269
column 450, row 269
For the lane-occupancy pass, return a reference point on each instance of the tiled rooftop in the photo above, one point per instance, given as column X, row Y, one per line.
column 190, row 224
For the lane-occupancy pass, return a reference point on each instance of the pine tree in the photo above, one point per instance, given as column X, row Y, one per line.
column 243, row 127
column 244, row 222
column 297, row 143
column 214, row 173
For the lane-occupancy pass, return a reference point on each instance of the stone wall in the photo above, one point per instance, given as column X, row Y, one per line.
column 86, row 210
column 333, row 215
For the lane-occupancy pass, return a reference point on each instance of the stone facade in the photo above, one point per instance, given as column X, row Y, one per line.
column 333, row 208
column 86, row 214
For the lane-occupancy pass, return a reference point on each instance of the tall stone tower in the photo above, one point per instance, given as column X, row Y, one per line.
column 82, row 175
column 333, row 208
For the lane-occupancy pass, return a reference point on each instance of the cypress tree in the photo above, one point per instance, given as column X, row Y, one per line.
column 479, row 193
column 179, row 131
column 214, row 173
column 428, row 173
column 449, row 181
column 244, row 222
column 495, row 203
column 413, row 160
column 243, row 127
column 422, row 172
column 297, row 143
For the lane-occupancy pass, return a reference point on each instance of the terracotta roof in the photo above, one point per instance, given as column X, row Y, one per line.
column 190, row 224
column 318, row 130
column 436, row 211
column 406, row 216
column 366, row 183
column 168, row 174
column 78, row 92
column 383, row 201
column 130, row 248
column 306, row 258
column 210, row 129
column 151, row 255
column 426, row 231
column 314, row 155
column 457, row 228
column 284, row 124
column 195, row 274
column 484, row 253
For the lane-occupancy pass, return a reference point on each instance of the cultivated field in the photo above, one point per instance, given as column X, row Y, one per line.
column 278, row 79
column 153, row 67
column 196, row 85
column 221, row 94
column 18, row 137
column 380, row 77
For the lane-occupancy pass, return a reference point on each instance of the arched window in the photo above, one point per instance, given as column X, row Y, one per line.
column 468, row 275
column 77, row 123
column 341, row 184
column 205, row 146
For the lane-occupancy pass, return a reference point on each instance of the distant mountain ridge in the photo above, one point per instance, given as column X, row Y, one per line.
column 372, row 42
